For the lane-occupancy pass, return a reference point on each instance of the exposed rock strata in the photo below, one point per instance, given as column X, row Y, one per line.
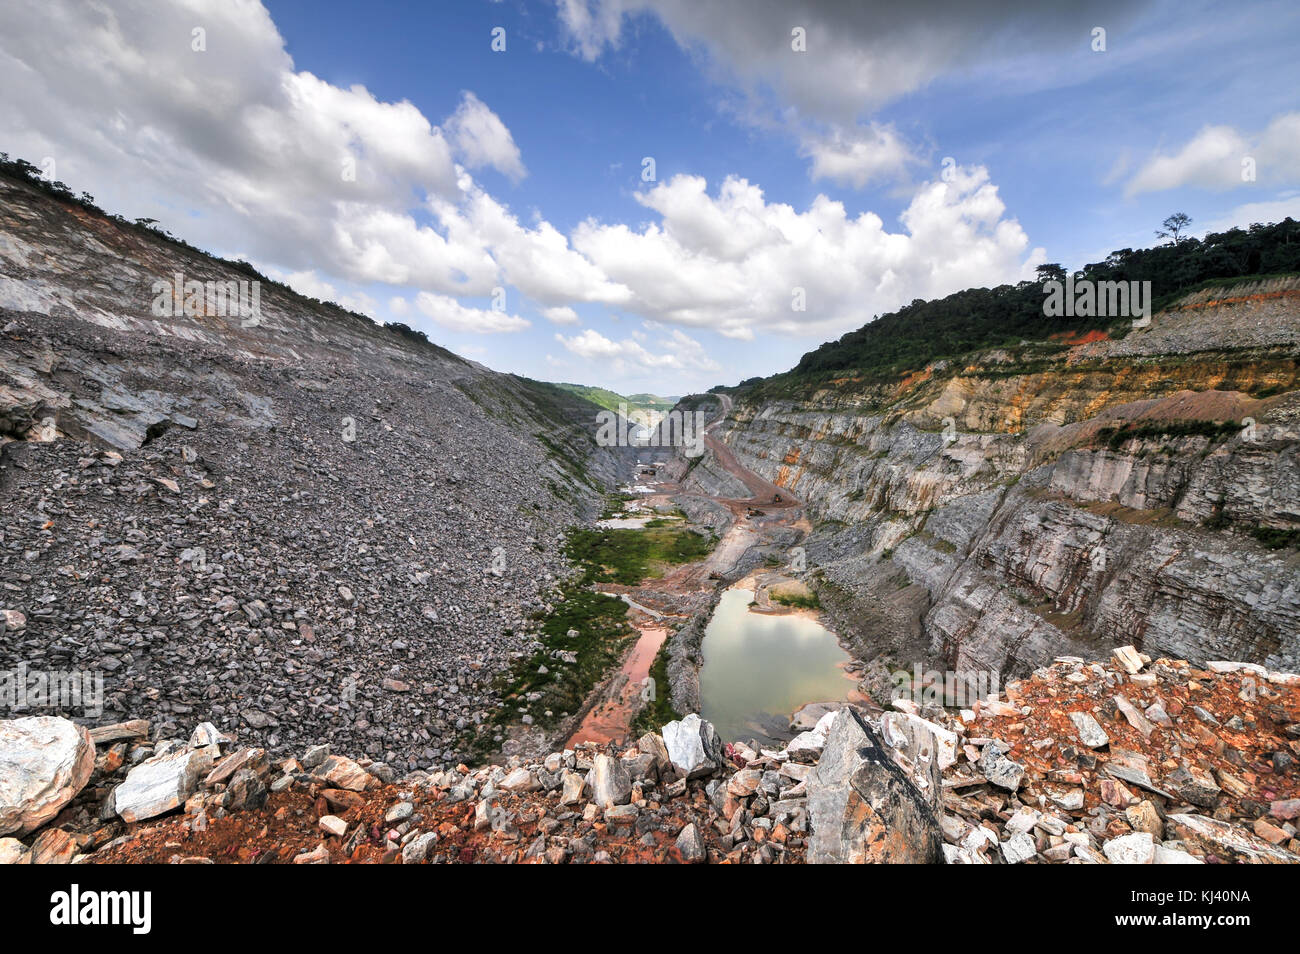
column 1033, row 529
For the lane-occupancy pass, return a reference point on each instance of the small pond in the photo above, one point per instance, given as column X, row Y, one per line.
column 760, row 667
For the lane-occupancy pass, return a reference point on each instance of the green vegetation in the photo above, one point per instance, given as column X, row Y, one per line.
column 700, row 402
column 1218, row 520
column 1115, row 436
column 1272, row 538
column 806, row 600
column 656, row 522
column 610, row 400
column 903, row 342
column 599, row 621
column 652, row 401
column 659, row 711
column 1276, row 538
column 630, row 556
column 603, row 635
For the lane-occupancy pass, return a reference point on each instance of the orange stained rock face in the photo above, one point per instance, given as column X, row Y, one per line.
column 1075, row 338
column 911, row 380
column 1265, row 296
column 787, row 477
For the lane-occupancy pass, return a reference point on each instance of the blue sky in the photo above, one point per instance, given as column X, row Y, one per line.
column 904, row 153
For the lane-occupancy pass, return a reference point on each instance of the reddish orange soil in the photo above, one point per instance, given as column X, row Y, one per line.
column 288, row 827
column 609, row 721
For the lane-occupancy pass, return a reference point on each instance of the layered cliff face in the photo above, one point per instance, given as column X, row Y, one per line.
column 296, row 524
column 995, row 512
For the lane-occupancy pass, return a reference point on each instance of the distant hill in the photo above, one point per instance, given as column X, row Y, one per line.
column 904, row 341
column 610, row 400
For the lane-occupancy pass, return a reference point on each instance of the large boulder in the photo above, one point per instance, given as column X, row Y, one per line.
column 44, row 762
column 161, row 784
column 863, row 807
column 610, row 782
column 693, row 746
column 924, row 750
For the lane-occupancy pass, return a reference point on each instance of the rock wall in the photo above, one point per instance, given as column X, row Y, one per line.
column 997, row 512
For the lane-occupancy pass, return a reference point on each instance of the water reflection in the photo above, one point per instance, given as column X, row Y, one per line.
column 759, row 668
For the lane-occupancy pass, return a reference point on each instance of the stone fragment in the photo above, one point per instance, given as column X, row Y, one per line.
column 1134, row 716
column 246, row 791
column 1127, row 658
column 744, row 783
column 652, row 743
column 342, row 772
column 693, row 746
column 44, row 762
column 690, row 845
column 1018, row 848
column 251, row 758
column 1136, row 849
column 399, row 813
column 998, row 768
column 1194, row 786
column 161, row 784
column 416, row 850
column 320, row 855
column 610, row 782
column 1286, row 808
column 1145, row 817
column 573, row 786
column 54, row 846
column 919, row 739
column 863, row 806
column 1228, row 842
column 1174, row 856
column 519, row 780
column 333, row 825
column 1090, row 732
column 315, row 756
column 13, row 852
column 119, row 731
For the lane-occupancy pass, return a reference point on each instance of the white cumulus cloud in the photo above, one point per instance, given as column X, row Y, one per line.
column 561, row 315
column 451, row 314
column 1218, row 157
column 680, row 352
column 741, row 265
column 857, row 156
column 482, row 139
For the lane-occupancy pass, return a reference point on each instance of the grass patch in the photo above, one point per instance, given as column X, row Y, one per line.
column 1152, row 517
column 1116, row 436
column 602, row 633
column 659, row 711
column 630, row 556
column 602, row 636
column 1276, row 538
column 806, row 600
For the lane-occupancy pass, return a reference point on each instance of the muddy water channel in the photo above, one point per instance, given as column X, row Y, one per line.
column 760, row 667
